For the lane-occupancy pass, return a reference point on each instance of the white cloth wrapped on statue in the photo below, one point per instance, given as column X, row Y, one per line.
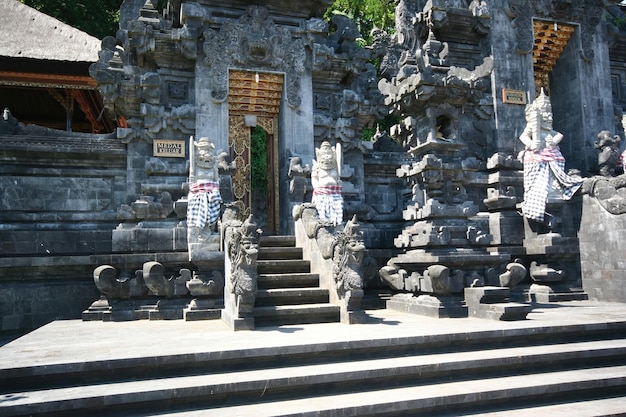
column 203, row 203
column 329, row 203
column 540, row 169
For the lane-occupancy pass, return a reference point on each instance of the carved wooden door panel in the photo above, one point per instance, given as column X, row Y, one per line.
column 254, row 97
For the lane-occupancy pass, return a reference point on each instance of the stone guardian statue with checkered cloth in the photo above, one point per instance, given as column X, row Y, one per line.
column 326, row 181
column 544, row 165
column 204, row 199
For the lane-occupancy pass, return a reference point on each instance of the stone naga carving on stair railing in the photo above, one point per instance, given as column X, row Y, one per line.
column 348, row 254
column 338, row 256
column 241, row 247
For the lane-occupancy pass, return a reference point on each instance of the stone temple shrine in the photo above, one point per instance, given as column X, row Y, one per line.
column 239, row 182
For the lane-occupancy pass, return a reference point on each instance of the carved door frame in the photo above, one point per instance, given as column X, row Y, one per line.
column 254, row 100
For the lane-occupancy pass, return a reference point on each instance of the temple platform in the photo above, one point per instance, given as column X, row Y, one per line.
column 395, row 364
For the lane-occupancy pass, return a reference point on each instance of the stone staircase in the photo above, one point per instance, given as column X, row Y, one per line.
column 288, row 293
column 576, row 369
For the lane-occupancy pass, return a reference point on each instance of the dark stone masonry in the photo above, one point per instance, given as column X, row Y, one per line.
column 499, row 107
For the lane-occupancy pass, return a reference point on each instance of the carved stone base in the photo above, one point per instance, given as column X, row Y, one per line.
column 351, row 312
column 97, row 310
column 542, row 293
column 204, row 251
column 493, row 303
column 168, row 309
column 442, row 306
column 235, row 323
column 147, row 308
column 106, row 309
column 203, row 309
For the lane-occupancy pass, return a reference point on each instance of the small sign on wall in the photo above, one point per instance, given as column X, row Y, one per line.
column 513, row 96
column 168, row 148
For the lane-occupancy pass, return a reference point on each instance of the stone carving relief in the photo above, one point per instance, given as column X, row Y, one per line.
column 610, row 192
column 108, row 283
column 608, row 153
column 145, row 101
column 343, row 264
column 154, row 280
column 299, row 180
column 348, row 257
column 339, row 60
column 608, row 189
column 254, row 41
column 242, row 247
column 408, row 33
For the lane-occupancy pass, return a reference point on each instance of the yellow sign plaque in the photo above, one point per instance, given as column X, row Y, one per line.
column 168, row 148
column 513, row 96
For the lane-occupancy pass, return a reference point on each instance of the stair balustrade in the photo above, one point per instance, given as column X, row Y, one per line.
column 337, row 255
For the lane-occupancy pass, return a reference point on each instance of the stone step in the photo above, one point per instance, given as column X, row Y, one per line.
column 40, row 373
column 283, row 266
column 615, row 406
column 296, row 314
column 453, row 397
column 279, row 253
column 294, row 280
column 291, row 296
column 286, row 294
column 277, row 241
column 416, row 383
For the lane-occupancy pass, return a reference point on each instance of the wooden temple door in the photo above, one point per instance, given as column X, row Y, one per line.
column 254, row 101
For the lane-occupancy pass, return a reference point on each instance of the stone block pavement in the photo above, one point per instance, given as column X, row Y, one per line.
column 75, row 347
column 74, row 340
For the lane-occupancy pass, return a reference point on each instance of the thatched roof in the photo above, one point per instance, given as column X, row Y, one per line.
column 27, row 33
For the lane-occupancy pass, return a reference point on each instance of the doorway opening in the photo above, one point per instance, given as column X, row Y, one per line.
column 259, row 176
column 556, row 61
column 253, row 106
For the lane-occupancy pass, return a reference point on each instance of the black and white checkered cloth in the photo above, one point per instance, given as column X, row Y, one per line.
column 203, row 204
column 328, row 201
column 539, row 168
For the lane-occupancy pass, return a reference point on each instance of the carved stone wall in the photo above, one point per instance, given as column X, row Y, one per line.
column 601, row 236
column 579, row 84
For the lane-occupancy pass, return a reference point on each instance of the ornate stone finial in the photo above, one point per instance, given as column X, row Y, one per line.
column 542, row 102
column 250, row 233
column 352, row 227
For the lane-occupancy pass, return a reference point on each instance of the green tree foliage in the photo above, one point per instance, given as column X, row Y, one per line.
column 367, row 14
column 258, row 154
column 98, row 18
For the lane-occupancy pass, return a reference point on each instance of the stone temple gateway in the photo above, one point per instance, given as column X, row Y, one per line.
column 438, row 198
